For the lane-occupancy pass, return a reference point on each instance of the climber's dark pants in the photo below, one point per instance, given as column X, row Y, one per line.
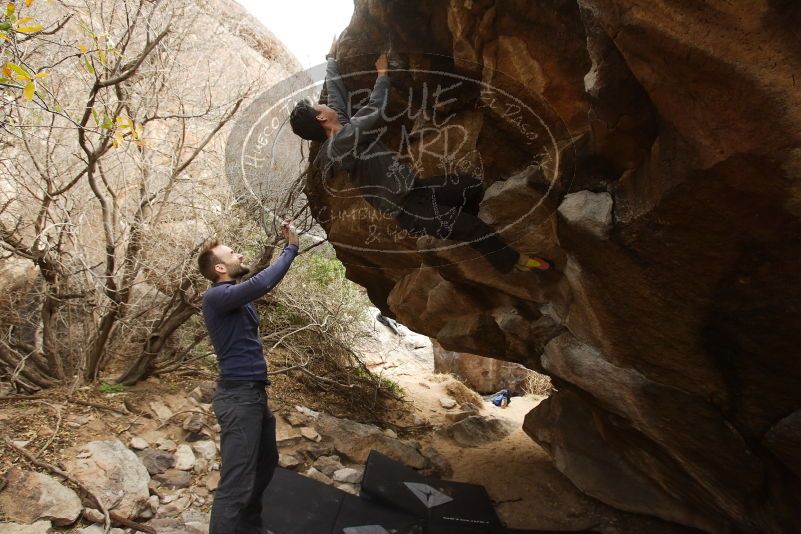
column 248, row 456
column 446, row 207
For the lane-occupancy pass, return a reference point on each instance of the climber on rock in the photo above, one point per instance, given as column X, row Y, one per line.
column 444, row 207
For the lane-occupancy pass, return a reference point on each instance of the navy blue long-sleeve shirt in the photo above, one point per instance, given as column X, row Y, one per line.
column 233, row 322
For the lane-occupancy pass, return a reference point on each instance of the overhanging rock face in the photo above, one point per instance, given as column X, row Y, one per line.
column 663, row 178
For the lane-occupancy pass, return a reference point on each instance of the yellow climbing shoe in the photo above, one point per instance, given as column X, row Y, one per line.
column 533, row 264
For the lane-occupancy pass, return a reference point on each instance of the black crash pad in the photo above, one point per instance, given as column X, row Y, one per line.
column 447, row 507
column 295, row 504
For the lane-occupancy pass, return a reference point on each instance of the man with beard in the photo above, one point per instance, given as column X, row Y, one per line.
column 248, row 450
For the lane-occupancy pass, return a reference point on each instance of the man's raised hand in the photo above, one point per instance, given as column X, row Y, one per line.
column 289, row 232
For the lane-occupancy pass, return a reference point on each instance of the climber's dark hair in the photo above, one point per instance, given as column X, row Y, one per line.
column 304, row 122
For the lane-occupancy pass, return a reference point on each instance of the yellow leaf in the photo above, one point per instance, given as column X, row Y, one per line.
column 28, row 3
column 22, row 73
column 3, row 37
column 6, row 71
column 30, row 29
column 27, row 93
column 10, row 9
column 23, row 21
column 40, row 75
column 82, row 48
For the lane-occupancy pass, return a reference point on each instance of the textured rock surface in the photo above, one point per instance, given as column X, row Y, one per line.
column 114, row 474
column 672, row 327
column 485, row 375
column 29, row 496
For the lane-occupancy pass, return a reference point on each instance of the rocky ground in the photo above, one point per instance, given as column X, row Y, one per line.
column 151, row 455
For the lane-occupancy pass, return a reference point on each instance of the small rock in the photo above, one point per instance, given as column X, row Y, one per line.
column 93, row 516
column 314, row 474
column 156, row 461
column 353, row 489
column 184, row 457
column 212, row 480
column 172, row 525
column 153, row 503
column 589, row 211
column 201, row 491
column 288, row 461
column 477, row 430
column 285, row 434
column 138, row 443
column 166, row 444
column 349, row 475
column 173, row 478
column 21, row 443
column 310, row 433
column 80, row 419
column 391, row 433
column 194, row 422
column 161, row 410
column 313, row 450
column 204, row 392
column 205, row 449
column 307, row 412
column 296, row 418
column 175, row 507
column 40, row 527
column 423, row 384
column 327, row 465
column 458, row 416
column 195, row 516
column 447, row 402
column 201, row 465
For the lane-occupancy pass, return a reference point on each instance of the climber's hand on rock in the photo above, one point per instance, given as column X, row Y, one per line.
column 382, row 64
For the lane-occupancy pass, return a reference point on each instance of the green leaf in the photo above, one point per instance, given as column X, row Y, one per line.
column 88, row 65
column 5, row 26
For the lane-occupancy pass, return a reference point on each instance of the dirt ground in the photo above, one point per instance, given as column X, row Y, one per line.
column 528, row 491
column 526, row 488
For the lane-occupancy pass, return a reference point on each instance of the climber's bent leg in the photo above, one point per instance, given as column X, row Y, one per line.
column 423, row 215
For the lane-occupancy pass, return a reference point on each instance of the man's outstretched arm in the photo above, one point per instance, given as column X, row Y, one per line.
column 373, row 115
column 337, row 92
column 231, row 296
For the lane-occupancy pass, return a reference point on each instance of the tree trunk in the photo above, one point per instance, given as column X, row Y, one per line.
column 143, row 366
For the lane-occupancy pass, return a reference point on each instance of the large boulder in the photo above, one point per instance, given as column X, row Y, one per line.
column 355, row 441
column 114, row 474
column 485, row 375
column 29, row 496
column 652, row 151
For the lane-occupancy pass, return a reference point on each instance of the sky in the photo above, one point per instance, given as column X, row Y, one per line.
column 306, row 27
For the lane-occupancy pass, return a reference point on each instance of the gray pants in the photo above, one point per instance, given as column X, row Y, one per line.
column 249, row 456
